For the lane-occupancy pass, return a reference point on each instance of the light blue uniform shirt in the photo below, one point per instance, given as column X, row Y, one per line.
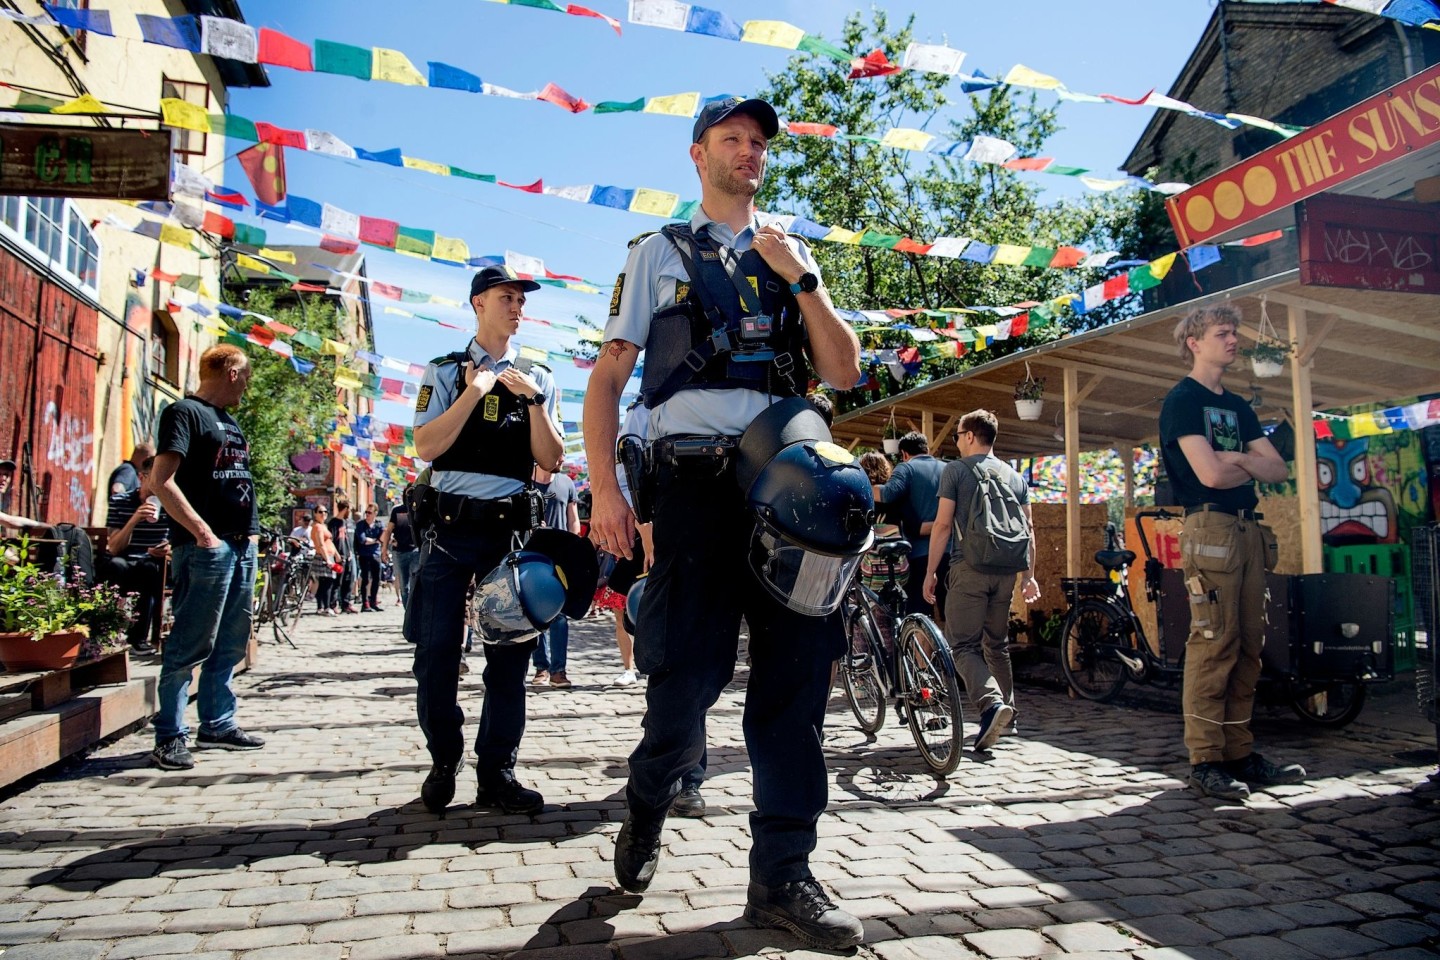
column 652, row 272
column 441, row 379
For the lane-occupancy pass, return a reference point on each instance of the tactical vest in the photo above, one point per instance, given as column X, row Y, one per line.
column 702, row 342
column 496, row 438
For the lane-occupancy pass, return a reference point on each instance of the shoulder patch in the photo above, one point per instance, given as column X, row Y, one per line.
column 799, row 239
column 647, row 233
column 422, row 399
column 615, row 297
column 443, row 361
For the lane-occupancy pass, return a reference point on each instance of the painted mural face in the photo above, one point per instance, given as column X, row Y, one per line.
column 1353, row 508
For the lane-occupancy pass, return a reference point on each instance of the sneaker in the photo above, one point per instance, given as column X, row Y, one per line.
column 439, row 787
column 509, row 795
column 365, row 608
column 637, row 852
column 560, row 681
column 541, row 678
column 464, row 667
column 1258, row 771
column 626, row 679
column 803, row 908
column 993, row 722
column 172, row 754
column 376, row 608
column 232, row 739
column 1212, row 781
column 348, row 610
column 688, row 803
column 142, row 648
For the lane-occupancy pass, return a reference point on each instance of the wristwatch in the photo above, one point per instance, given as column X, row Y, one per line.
column 538, row 400
column 808, row 283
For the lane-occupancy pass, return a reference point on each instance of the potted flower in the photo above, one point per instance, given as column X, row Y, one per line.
column 1267, row 357
column 1029, row 396
column 41, row 619
column 110, row 615
column 890, row 439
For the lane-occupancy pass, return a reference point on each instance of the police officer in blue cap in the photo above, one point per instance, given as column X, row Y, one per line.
column 484, row 418
column 730, row 313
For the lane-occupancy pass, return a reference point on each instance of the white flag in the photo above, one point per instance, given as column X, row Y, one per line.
column 580, row 193
column 230, row 39
column 524, row 263
column 321, row 141
column 990, row 150
column 932, row 58
column 660, row 13
column 190, row 182
column 949, row 246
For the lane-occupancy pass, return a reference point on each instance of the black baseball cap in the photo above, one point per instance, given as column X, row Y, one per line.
column 494, row 276
column 713, row 113
column 7, row 464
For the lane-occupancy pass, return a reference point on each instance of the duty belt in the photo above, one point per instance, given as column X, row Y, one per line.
column 513, row 512
column 1228, row 511
column 686, row 450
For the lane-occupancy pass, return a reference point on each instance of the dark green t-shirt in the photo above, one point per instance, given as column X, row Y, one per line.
column 1226, row 422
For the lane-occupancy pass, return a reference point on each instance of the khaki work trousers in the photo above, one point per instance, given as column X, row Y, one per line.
column 1224, row 561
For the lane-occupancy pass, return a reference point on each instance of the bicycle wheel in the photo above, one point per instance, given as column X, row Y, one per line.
column 1087, row 656
column 1331, row 705
column 864, row 688
column 296, row 586
column 932, row 694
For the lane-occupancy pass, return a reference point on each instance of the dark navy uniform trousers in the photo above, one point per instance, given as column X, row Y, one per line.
column 435, row 621
column 686, row 640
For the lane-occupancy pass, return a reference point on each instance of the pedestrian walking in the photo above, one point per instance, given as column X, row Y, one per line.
column 367, row 557
column 397, row 546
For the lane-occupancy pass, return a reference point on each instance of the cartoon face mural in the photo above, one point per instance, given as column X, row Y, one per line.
column 1354, row 508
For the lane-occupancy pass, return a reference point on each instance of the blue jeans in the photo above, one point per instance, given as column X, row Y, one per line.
column 405, row 561
column 211, row 600
column 554, row 644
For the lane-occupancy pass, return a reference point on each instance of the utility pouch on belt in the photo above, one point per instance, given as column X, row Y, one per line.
column 420, row 501
column 630, row 454
column 534, row 502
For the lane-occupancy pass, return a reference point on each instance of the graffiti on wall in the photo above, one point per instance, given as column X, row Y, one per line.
column 1372, row 489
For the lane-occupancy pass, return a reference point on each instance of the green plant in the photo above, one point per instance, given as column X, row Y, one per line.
column 892, row 430
column 110, row 613
column 35, row 602
column 1268, row 351
column 1030, row 388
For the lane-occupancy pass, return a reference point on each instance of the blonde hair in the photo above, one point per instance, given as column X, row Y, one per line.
column 876, row 466
column 1197, row 321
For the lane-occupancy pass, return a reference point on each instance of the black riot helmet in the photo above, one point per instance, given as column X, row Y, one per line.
column 812, row 503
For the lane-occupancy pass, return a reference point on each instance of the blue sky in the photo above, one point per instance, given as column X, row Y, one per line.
column 1125, row 47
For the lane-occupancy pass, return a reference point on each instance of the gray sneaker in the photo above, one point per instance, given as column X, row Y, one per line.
column 1258, row 771
column 172, row 754
column 232, row 739
column 1212, row 780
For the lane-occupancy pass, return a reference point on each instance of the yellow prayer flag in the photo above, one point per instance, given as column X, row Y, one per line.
column 250, row 263
column 1368, row 425
column 333, row 348
column 1010, row 254
column 947, row 348
column 445, row 301
column 393, row 66
column 533, row 353
column 581, row 287
column 1161, row 266
column 591, row 334
column 1022, row 76
column 346, row 380
column 176, row 236
column 450, row 249
column 674, row 105
column 656, row 203
column 429, row 166
column 284, row 256
column 204, row 292
column 841, row 235
column 398, row 312
column 902, row 138
column 85, row 103
column 186, row 116
column 772, row 33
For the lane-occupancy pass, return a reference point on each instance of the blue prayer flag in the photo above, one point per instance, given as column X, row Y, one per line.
column 453, row 78
column 182, row 32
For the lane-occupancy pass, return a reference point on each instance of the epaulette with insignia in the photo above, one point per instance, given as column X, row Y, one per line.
column 647, row 233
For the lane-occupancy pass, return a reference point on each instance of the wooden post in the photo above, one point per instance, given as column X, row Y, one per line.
column 1312, row 557
column 927, row 427
column 1072, row 472
column 1127, row 463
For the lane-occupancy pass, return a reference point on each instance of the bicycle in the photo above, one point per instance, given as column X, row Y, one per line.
column 908, row 663
column 1103, row 642
column 281, row 583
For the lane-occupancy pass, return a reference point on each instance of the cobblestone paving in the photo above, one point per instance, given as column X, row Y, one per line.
column 1076, row 838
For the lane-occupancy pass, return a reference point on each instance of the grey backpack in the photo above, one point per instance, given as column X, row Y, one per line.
column 996, row 535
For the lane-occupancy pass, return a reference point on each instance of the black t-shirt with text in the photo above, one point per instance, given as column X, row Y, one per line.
column 1226, row 422
column 214, row 471
column 404, row 536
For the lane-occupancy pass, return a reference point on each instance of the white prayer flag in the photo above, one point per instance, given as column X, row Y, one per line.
column 190, row 182
column 580, row 193
column 949, row 246
column 660, row 13
column 339, row 223
column 321, row 141
column 230, row 39
column 932, row 58
column 990, row 150
column 524, row 263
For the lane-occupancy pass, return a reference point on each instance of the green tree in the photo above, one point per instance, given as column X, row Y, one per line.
column 284, row 412
column 853, row 182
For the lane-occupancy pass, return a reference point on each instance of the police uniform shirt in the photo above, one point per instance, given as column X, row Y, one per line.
column 438, row 391
column 653, row 278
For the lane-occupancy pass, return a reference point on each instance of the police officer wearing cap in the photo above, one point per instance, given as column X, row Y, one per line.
column 727, row 309
column 483, row 421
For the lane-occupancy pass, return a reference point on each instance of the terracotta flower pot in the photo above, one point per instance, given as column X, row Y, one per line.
column 22, row 651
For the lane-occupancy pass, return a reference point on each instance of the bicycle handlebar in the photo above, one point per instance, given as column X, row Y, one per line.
column 1159, row 513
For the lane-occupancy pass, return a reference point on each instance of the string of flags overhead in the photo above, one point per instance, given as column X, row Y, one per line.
column 1413, row 416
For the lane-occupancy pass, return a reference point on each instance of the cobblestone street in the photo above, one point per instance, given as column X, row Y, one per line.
column 1077, row 837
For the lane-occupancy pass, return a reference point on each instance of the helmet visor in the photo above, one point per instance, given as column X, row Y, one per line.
column 496, row 610
column 809, row 583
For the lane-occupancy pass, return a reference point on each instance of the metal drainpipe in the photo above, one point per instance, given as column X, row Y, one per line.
column 1407, row 50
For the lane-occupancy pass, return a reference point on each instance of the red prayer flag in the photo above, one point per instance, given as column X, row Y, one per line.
column 1028, row 163
column 269, row 133
column 537, row 187
column 283, row 329
column 264, row 164
column 282, row 51
column 301, row 287
column 1019, row 324
column 584, row 364
column 385, row 290
column 873, row 64
column 1260, row 238
column 394, row 433
column 906, row 245
column 217, row 224
column 811, row 129
column 261, row 334
column 1128, row 103
column 560, row 98
column 575, row 10
column 338, row 245
column 1117, row 286
column 392, row 386
column 380, row 233
column 1323, row 431
column 561, row 276
column 1067, row 257
column 157, row 274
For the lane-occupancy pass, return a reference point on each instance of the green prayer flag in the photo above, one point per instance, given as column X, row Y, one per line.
column 343, row 59
column 189, row 281
column 824, row 48
column 1066, row 171
column 1042, row 312
column 1141, row 278
column 420, row 243
column 615, row 106
column 290, row 277
column 459, row 172
column 233, row 127
column 414, row 296
column 249, row 236
column 685, row 210
column 537, row 4
column 548, row 282
column 371, row 392
column 34, row 103
column 235, row 337
column 306, row 339
column 857, row 138
column 883, row 240
column 1038, row 257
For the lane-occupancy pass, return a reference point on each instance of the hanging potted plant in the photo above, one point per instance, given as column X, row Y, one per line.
column 890, row 439
column 1029, row 396
column 1269, row 353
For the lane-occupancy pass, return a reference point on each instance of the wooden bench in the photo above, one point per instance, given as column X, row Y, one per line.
column 99, row 541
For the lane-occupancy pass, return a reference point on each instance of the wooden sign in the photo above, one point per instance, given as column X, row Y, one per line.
column 1369, row 244
column 51, row 161
column 1389, row 125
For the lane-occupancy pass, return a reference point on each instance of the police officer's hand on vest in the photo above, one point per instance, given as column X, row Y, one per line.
column 482, row 380
column 520, row 384
column 774, row 248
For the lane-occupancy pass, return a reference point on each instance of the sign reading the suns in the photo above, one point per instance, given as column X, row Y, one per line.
column 1389, row 125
